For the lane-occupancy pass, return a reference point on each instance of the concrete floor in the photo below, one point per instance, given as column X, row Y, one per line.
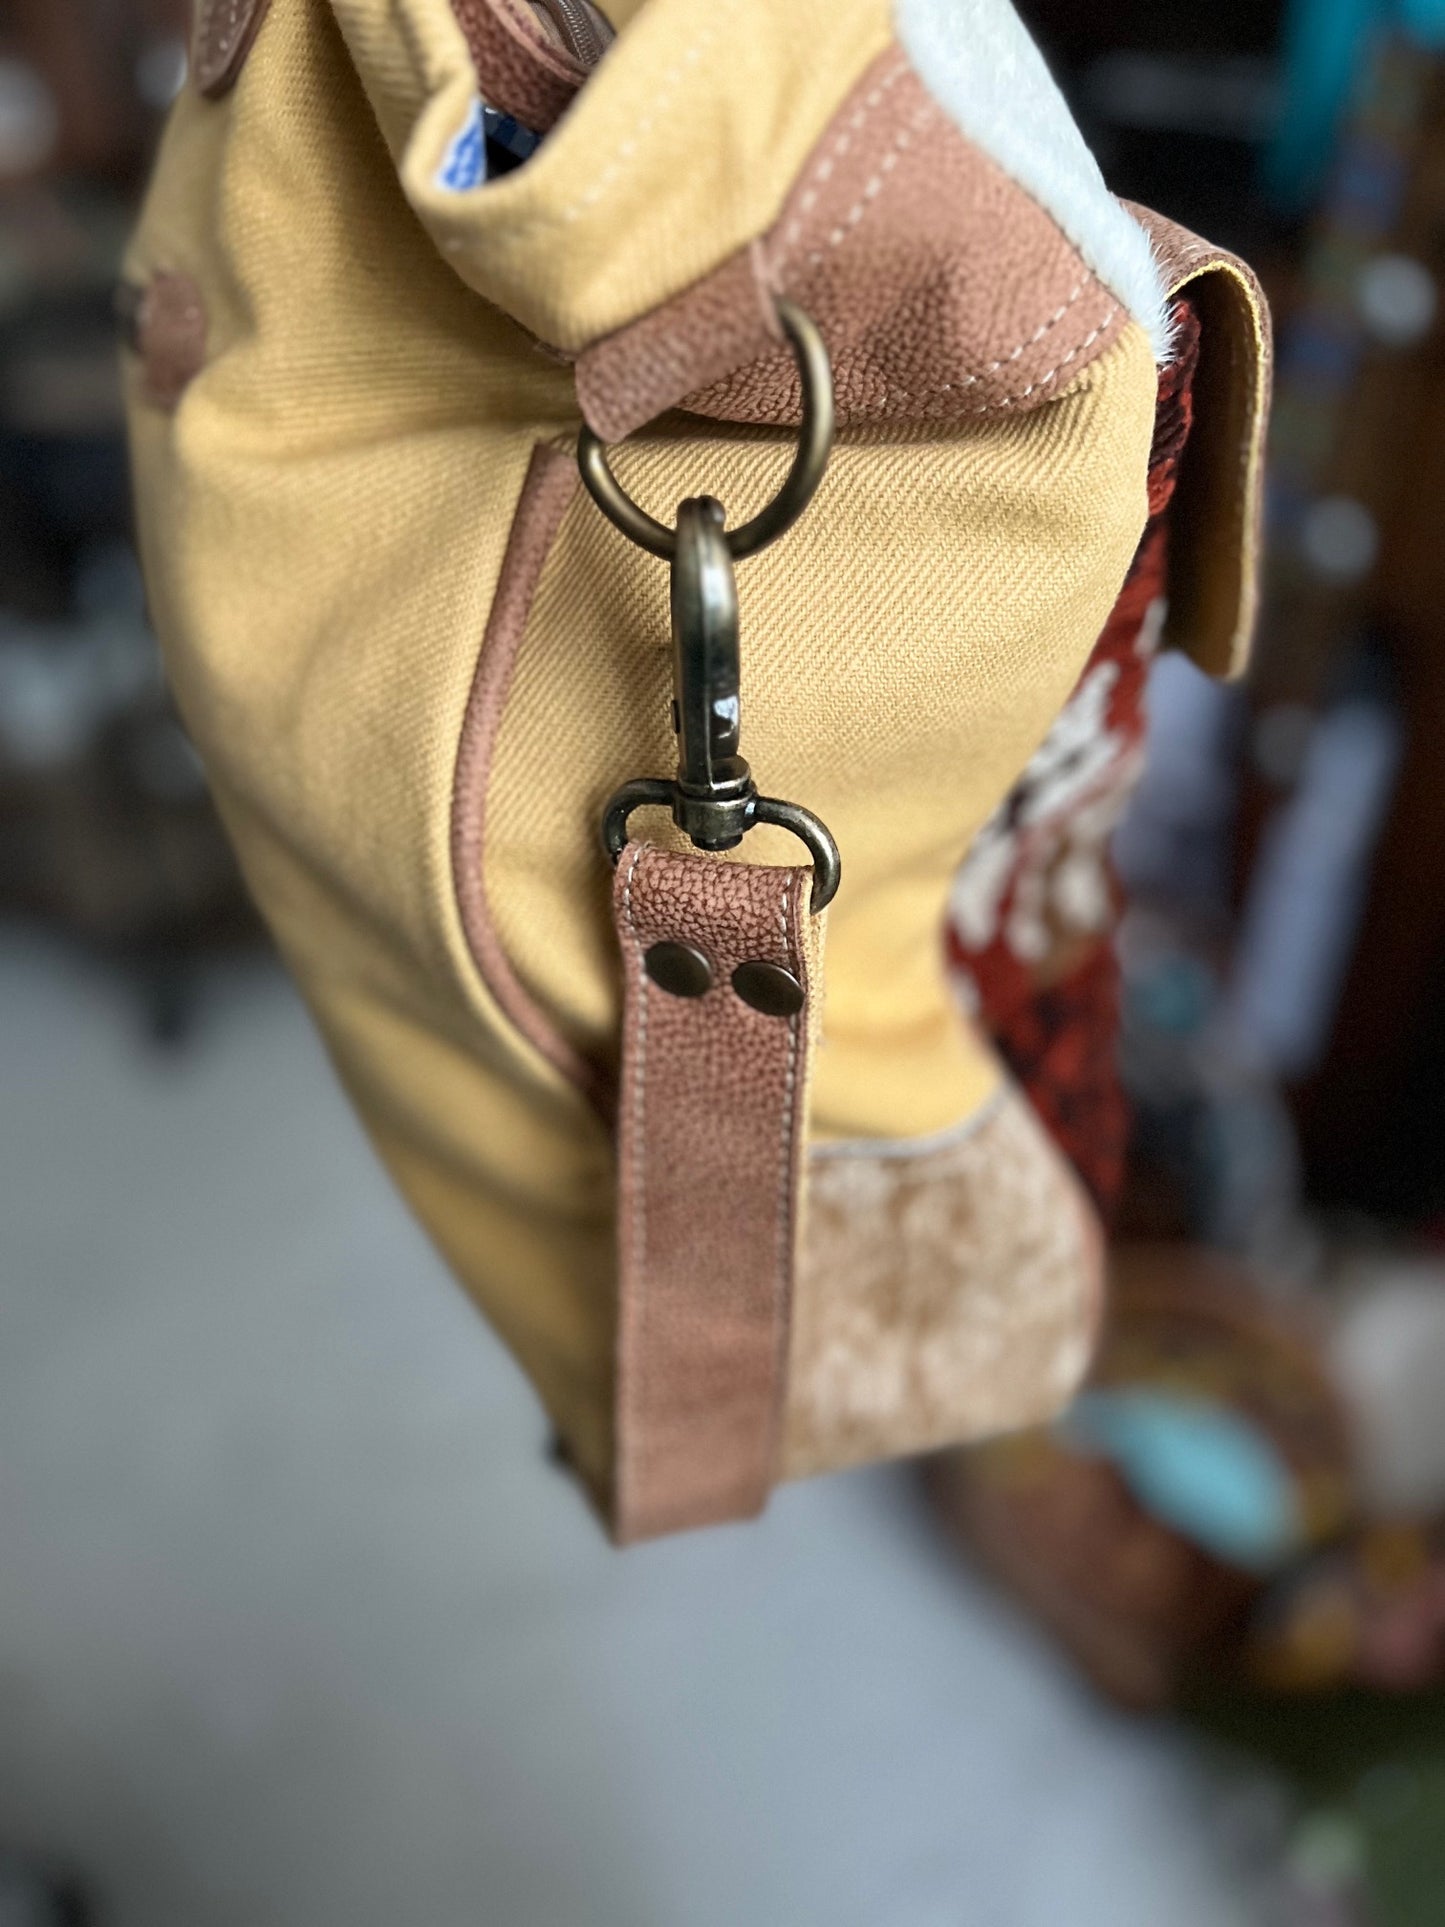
column 298, row 1628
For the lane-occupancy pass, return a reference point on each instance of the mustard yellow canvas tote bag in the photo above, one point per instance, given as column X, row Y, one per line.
column 624, row 495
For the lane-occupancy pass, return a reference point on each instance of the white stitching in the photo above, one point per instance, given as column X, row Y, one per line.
column 662, row 100
column 1038, row 334
column 992, row 368
column 902, row 141
column 1010, row 401
column 824, row 170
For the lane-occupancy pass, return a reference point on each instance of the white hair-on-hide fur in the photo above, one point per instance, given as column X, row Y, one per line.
column 976, row 58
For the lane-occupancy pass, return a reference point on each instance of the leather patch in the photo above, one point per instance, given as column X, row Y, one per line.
column 944, row 290
column 710, row 1130
column 223, row 34
column 167, row 330
column 518, row 71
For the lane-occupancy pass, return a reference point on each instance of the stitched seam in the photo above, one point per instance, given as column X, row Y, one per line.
column 667, row 89
column 1045, row 327
column 628, row 1446
column 1011, row 401
column 1008, row 401
column 873, row 187
column 992, row 367
column 1188, row 252
column 824, row 170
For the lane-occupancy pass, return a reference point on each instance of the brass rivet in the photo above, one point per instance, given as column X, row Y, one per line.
column 769, row 988
column 679, row 969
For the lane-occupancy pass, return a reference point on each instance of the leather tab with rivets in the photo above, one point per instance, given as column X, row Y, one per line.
column 709, row 1143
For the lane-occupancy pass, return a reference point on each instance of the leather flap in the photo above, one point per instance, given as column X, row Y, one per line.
column 1218, row 510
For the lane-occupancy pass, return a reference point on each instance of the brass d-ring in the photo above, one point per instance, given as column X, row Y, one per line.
column 815, row 442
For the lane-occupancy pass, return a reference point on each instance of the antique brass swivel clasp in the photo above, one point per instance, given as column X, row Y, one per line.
column 713, row 798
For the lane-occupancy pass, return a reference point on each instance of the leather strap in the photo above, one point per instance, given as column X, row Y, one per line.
column 710, row 1133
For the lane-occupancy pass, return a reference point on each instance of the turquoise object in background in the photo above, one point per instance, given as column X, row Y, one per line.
column 1324, row 44
column 1198, row 1467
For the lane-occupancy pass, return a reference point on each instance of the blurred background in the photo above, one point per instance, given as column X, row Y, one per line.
column 297, row 1622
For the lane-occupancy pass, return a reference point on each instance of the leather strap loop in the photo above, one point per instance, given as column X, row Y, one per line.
column 710, row 1131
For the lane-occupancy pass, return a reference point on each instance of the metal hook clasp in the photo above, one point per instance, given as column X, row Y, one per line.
column 714, row 784
column 714, row 800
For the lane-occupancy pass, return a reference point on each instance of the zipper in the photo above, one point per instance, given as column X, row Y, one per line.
column 580, row 28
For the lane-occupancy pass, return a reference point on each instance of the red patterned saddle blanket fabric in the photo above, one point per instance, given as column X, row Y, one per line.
column 1036, row 901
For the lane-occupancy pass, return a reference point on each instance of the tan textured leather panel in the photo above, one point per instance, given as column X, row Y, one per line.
column 222, row 35
column 721, row 324
column 1216, row 519
column 943, row 289
column 940, row 1296
column 710, row 1127
column 520, row 71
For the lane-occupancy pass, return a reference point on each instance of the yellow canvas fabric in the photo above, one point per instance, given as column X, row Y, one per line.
column 942, row 593
column 323, row 520
column 577, row 243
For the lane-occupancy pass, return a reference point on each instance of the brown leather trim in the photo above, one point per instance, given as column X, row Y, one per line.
column 520, row 71
column 710, row 1130
column 703, row 335
column 223, row 33
column 550, row 484
column 943, row 289
column 1216, row 519
column 169, row 336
